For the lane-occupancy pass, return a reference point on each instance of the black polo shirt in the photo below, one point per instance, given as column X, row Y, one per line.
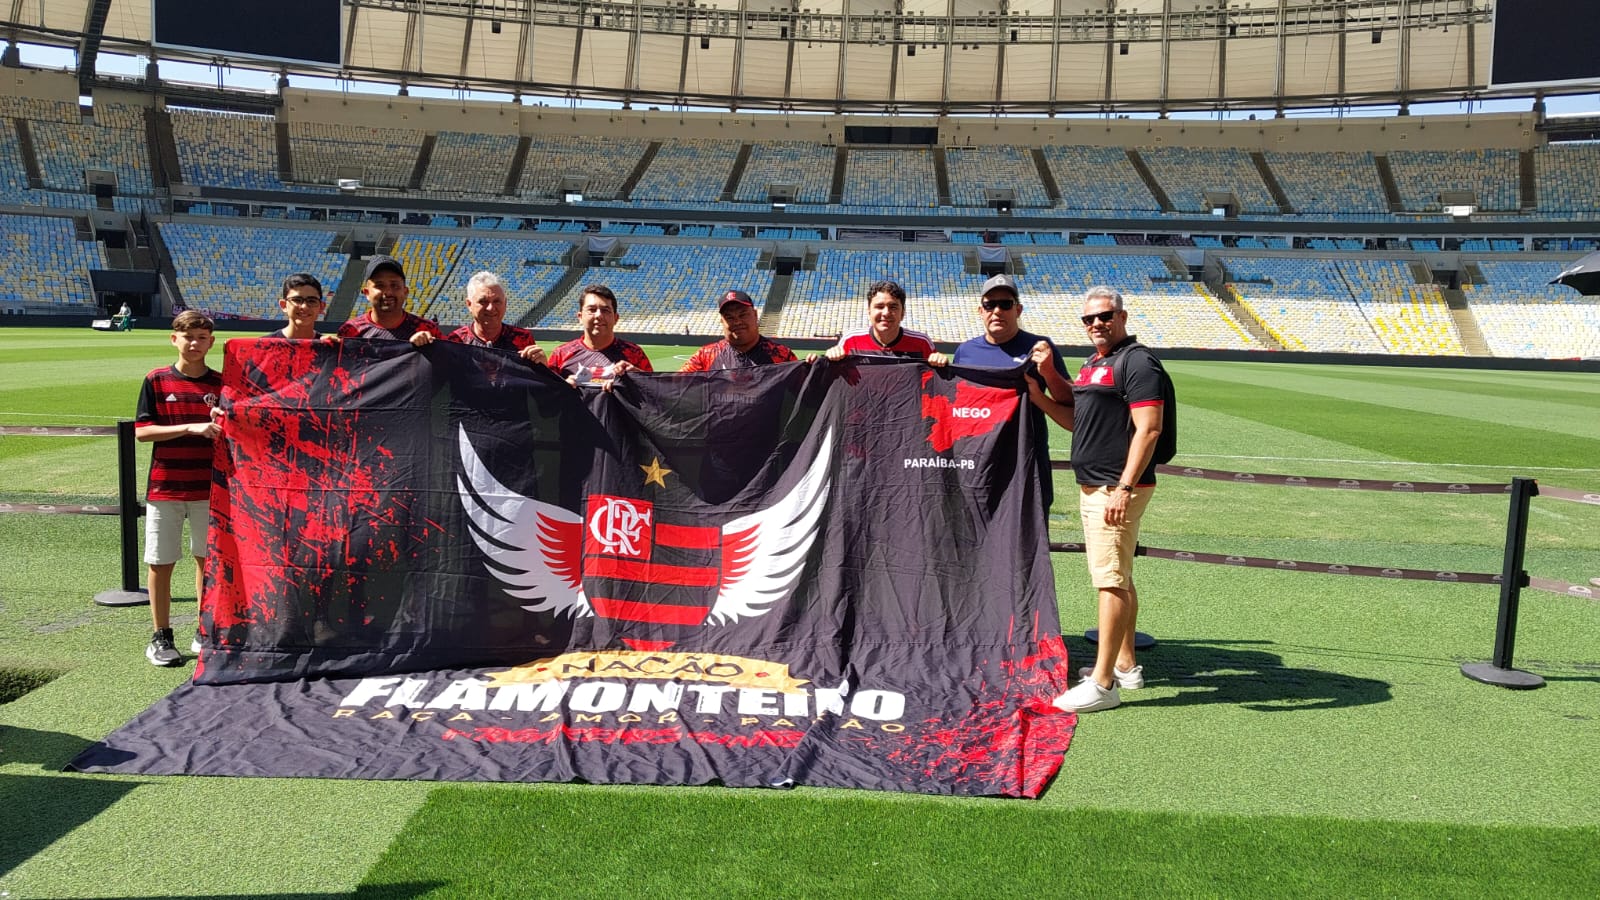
column 1102, row 420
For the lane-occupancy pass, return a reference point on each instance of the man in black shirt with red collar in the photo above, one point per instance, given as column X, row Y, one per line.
column 486, row 303
column 1116, row 419
column 742, row 346
column 384, row 286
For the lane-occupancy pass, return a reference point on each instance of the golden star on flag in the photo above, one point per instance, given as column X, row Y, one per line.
column 655, row 473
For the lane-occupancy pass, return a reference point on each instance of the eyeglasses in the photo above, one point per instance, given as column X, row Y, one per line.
column 1105, row 316
column 1003, row 304
column 303, row 301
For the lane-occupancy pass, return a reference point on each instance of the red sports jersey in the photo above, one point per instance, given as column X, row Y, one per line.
column 721, row 355
column 909, row 343
column 511, row 338
column 362, row 326
column 574, row 354
column 180, row 469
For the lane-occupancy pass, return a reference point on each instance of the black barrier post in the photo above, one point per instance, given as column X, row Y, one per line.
column 130, row 594
column 1498, row 671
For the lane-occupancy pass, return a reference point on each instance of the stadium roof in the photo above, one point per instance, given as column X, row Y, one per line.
column 992, row 56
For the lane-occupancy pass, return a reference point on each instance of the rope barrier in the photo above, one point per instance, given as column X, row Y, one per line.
column 107, row 508
column 59, row 430
column 1299, row 565
column 1310, row 481
column 1563, row 587
column 127, row 506
column 1555, row 493
column 110, row 508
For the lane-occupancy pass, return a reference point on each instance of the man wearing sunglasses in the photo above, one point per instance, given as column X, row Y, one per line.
column 1116, row 422
column 1004, row 345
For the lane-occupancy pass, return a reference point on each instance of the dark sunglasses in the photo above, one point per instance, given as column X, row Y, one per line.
column 1003, row 304
column 1105, row 316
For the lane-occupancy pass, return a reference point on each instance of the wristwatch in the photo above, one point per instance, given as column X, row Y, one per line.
column 1125, row 487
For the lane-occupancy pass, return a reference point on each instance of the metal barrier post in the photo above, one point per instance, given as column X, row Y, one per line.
column 1499, row 671
column 130, row 594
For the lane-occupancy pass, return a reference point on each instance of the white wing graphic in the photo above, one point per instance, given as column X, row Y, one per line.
column 535, row 549
column 763, row 553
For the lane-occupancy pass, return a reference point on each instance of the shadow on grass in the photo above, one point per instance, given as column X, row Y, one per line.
column 40, row 809
column 1237, row 673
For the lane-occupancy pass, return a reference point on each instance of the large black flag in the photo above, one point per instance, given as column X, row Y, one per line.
column 833, row 574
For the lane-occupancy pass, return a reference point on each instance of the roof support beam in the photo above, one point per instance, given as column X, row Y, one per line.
column 1223, row 26
column 466, row 39
column 844, row 58
column 736, row 77
column 1166, row 53
column 350, row 36
column 1280, row 70
column 1402, row 75
column 524, row 49
column 630, row 78
column 1344, row 40
column 949, row 56
column 788, row 55
column 1055, row 54
column 1111, row 19
column 1000, row 55
column 577, row 53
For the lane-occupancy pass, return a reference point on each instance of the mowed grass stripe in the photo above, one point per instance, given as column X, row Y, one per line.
column 1395, row 429
column 1526, row 387
column 574, row 842
column 1528, row 413
column 1214, row 431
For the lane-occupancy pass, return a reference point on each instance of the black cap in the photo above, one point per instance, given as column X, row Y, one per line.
column 378, row 263
column 734, row 297
column 1000, row 281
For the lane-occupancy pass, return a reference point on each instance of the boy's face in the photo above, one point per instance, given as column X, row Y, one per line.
column 194, row 344
column 302, row 304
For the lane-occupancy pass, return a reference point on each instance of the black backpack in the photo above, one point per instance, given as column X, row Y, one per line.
column 1167, row 442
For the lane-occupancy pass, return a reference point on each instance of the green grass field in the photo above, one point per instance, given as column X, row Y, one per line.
column 1302, row 735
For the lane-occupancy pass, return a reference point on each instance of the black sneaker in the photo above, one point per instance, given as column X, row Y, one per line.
column 161, row 651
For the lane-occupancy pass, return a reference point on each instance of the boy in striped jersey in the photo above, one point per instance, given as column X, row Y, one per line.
column 175, row 413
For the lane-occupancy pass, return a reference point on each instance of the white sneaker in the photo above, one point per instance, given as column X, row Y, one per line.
column 1131, row 680
column 1088, row 696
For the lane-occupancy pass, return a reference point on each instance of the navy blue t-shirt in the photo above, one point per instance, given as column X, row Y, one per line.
column 979, row 352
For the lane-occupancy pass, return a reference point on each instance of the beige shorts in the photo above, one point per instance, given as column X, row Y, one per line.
column 163, row 529
column 1110, row 550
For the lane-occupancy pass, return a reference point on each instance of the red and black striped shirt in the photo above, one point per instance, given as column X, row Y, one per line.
column 913, row 344
column 180, row 469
